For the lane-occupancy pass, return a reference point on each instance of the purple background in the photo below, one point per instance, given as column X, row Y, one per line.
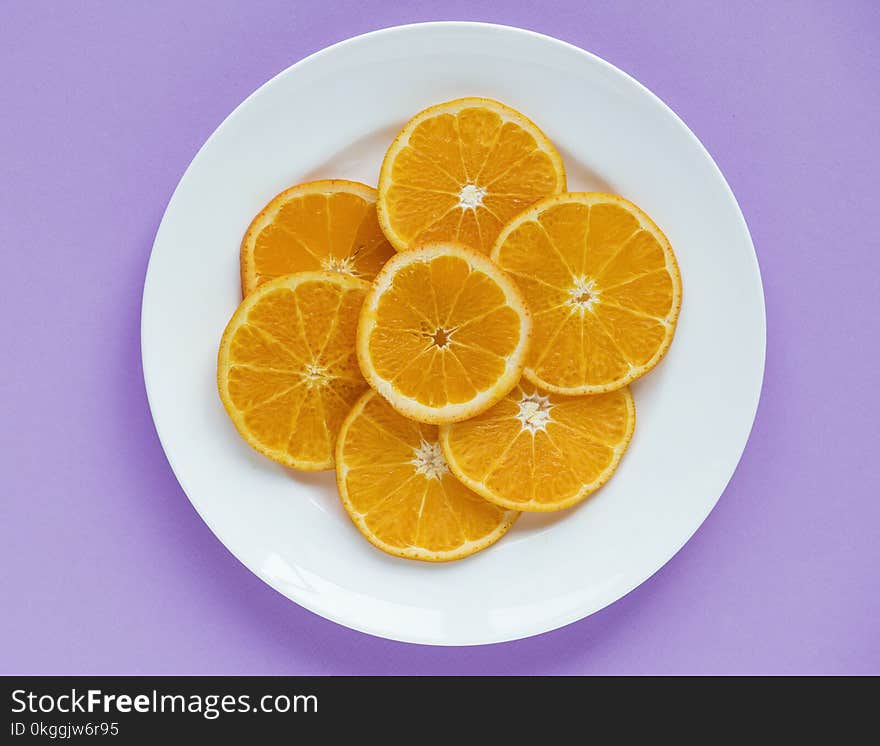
column 106, row 566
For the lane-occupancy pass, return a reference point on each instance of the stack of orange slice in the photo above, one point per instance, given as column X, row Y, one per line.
column 459, row 342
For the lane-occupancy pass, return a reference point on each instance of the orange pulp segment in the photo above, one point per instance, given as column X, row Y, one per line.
column 397, row 489
column 540, row 451
column 460, row 170
column 603, row 286
column 287, row 368
column 321, row 225
column 443, row 333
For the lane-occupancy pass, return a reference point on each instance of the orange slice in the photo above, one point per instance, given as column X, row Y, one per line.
column 539, row 451
column 443, row 333
column 397, row 488
column 321, row 225
column 603, row 286
column 458, row 171
column 287, row 368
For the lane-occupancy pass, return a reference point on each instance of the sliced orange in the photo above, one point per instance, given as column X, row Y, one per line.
column 287, row 368
column 603, row 286
column 459, row 171
column 540, row 451
column 443, row 333
column 321, row 225
column 396, row 487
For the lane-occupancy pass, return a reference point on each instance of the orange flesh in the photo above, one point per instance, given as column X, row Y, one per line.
column 313, row 229
column 398, row 490
column 602, row 290
column 288, row 370
column 539, row 451
column 462, row 174
column 444, row 332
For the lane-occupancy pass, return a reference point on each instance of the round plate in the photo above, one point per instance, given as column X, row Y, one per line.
column 332, row 116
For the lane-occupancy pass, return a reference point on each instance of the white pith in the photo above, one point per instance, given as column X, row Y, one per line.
column 471, row 196
column 583, row 294
column 316, row 374
column 429, row 460
column 534, row 412
column 441, row 337
column 344, row 266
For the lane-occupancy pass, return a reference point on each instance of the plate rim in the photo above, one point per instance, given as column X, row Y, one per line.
column 604, row 599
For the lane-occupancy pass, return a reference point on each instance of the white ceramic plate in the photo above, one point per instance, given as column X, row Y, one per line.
column 332, row 116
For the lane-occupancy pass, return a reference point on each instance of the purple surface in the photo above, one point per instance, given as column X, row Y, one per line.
column 108, row 569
